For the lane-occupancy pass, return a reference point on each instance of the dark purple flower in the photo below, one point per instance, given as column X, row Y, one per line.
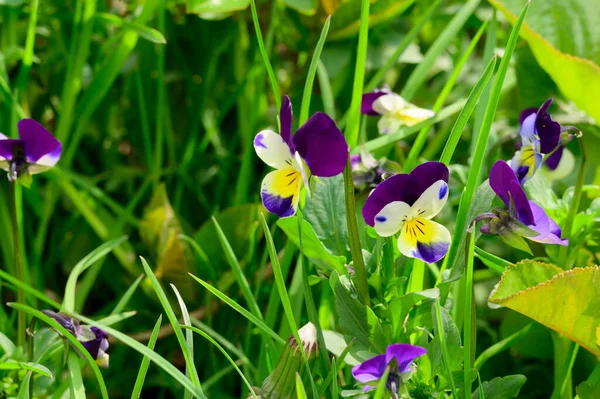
column 399, row 357
column 405, row 203
column 318, row 148
column 505, row 184
column 35, row 150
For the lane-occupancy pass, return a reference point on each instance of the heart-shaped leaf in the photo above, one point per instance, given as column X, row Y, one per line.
column 568, row 302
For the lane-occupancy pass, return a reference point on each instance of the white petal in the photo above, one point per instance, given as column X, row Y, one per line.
column 271, row 148
column 431, row 202
column 413, row 115
column 391, row 218
column 389, row 103
column 389, row 124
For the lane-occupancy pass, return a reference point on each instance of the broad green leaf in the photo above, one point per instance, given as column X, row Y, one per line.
column 144, row 31
column 357, row 320
column 325, row 211
column 565, row 38
column 566, row 301
column 400, row 307
column 160, row 230
column 501, row 387
column 313, row 248
column 452, row 341
column 336, row 344
column 36, row 368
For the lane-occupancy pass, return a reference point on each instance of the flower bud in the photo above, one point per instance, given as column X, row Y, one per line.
column 281, row 383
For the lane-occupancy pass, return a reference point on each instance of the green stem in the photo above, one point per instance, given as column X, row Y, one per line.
column 469, row 312
column 30, row 347
column 21, row 317
column 563, row 351
column 563, row 255
column 445, row 355
column 358, row 262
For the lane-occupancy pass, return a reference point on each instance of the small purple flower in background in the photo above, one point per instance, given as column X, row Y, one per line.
column 394, row 110
column 94, row 340
column 35, row 151
column 399, row 357
column 318, row 148
column 405, row 203
column 524, row 218
column 540, row 135
column 367, row 172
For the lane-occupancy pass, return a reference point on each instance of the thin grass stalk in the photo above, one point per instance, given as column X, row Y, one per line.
column 23, row 76
column 469, row 314
column 19, row 267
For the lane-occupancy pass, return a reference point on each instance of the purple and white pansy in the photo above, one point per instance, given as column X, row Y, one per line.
column 406, row 203
column 394, row 110
column 505, row 184
column 318, row 148
column 399, row 357
column 35, row 151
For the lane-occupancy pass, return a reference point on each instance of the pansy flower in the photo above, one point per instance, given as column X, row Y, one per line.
column 540, row 135
column 394, row 110
column 399, row 357
column 93, row 339
column 367, row 172
column 317, row 149
column 523, row 214
column 406, row 203
column 35, row 151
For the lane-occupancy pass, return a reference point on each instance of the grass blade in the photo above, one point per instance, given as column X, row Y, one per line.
column 480, row 149
column 465, row 113
column 28, row 289
column 312, row 70
column 441, row 44
column 259, row 323
column 381, row 386
column 139, row 381
column 223, row 341
column 265, row 56
column 419, row 142
column 81, row 266
column 34, row 367
column 144, row 31
column 326, row 90
column 189, row 360
column 353, row 125
column 76, row 386
column 127, row 296
column 503, row 345
column 189, row 335
column 300, row 391
column 445, row 356
column 224, row 352
column 410, row 36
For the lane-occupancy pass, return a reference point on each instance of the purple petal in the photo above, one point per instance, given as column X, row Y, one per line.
column 547, row 129
column 505, row 184
column 403, row 187
column 285, row 119
column 525, row 113
column 553, row 160
column 94, row 345
column 549, row 231
column 39, row 142
column 366, row 107
column 371, row 369
column 355, row 161
column 405, row 355
column 322, row 146
column 8, row 146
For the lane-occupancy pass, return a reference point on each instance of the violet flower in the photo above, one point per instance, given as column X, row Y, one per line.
column 394, row 110
column 525, row 218
column 405, row 203
column 367, row 172
column 318, row 148
column 399, row 357
column 35, row 151
column 94, row 340
column 540, row 135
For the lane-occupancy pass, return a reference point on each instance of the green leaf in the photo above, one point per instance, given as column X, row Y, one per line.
column 144, row 31
column 313, row 248
column 215, row 7
column 36, row 368
column 357, row 320
column 501, row 387
column 160, row 230
column 306, row 7
column 452, row 341
column 82, row 265
column 564, row 38
column 325, row 211
column 400, row 307
column 139, row 381
column 76, row 386
column 566, row 301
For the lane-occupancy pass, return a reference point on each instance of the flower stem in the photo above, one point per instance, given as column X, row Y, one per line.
column 30, row 348
column 21, row 316
column 360, row 271
column 563, row 255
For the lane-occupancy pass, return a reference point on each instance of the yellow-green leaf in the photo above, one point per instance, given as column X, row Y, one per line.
column 559, row 33
column 568, row 302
